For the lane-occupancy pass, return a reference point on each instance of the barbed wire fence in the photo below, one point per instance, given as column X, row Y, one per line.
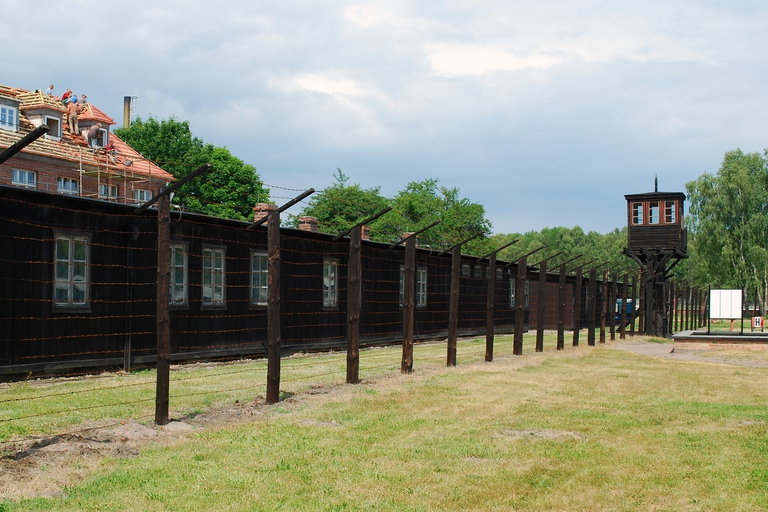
column 119, row 327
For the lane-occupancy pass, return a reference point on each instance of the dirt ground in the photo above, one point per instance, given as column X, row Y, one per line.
column 45, row 466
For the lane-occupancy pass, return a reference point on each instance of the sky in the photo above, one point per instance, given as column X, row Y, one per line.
column 546, row 113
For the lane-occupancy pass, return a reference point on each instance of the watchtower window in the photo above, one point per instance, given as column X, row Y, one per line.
column 654, row 214
column 637, row 213
column 670, row 212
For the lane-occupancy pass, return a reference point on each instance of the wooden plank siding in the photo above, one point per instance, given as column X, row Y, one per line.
column 37, row 337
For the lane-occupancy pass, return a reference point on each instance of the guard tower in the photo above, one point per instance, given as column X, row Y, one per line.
column 657, row 241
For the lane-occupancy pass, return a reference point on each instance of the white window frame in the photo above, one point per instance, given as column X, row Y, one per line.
column 66, row 185
column 638, row 210
column 259, row 278
column 142, row 195
column 9, row 117
column 654, row 212
column 478, row 270
column 54, row 129
column 107, row 191
column 330, row 283
column 421, row 287
column 71, row 271
column 670, row 211
column 214, row 277
column 465, row 269
column 16, row 178
column 178, row 284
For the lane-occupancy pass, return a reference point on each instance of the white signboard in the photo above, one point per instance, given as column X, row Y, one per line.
column 725, row 304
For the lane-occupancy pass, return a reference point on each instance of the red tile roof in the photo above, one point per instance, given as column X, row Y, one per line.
column 71, row 147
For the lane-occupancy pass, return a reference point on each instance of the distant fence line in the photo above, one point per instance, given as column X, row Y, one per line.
column 81, row 288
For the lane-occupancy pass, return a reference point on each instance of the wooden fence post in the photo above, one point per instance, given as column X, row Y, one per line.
column 453, row 307
column 561, row 309
column 541, row 306
column 604, row 307
column 635, row 305
column 490, row 302
column 577, row 307
column 162, row 396
column 592, row 307
column 517, row 346
column 273, row 307
column 612, row 304
column 624, row 291
column 354, row 278
column 409, row 290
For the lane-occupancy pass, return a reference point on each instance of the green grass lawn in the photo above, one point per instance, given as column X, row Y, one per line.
column 583, row 429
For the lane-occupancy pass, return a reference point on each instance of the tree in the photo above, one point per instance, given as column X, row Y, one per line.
column 727, row 223
column 572, row 241
column 230, row 189
column 424, row 202
column 339, row 206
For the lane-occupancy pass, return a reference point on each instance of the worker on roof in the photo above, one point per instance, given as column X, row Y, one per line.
column 93, row 135
column 65, row 97
column 49, row 90
column 72, row 120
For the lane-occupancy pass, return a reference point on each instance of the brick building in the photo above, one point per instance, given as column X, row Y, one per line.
column 62, row 161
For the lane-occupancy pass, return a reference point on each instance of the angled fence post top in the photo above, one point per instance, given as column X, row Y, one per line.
column 362, row 223
column 526, row 255
column 466, row 240
column 495, row 251
column 287, row 205
column 175, row 186
column 23, row 142
column 414, row 234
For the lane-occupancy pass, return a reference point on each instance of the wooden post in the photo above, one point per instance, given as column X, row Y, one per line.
column 673, row 299
column 671, row 314
column 490, row 304
column 561, row 309
column 612, row 304
column 634, row 306
column 354, row 280
column 592, row 307
column 163, row 310
column 542, row 297
column 453, row 307
column 624, row 291
column 577, row 308
column 273, row 307
column 604, row 307
column 641, row 302
column 409, row 291
column 517, row 346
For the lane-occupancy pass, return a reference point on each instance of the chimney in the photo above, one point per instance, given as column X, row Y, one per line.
column 261, row 210
column 366, row 235
column 126, row 111
column 308, row 224
column 408, row 234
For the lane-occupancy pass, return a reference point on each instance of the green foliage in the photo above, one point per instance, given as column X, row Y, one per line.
column 423, row 202
column 340, row 206
column 572, row 241
column 727, row 223
column 230, row 189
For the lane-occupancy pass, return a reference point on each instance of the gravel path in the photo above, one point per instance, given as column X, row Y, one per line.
column 639, row 345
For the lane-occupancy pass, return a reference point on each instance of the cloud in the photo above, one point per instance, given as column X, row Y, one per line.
column 451, row 59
